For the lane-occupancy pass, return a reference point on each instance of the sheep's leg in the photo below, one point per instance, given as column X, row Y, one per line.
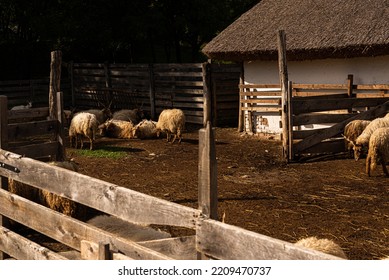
column 384, row 168
column 368, row 161
column 82, row 142
column 174, row 138
column 168, row 136
column 91, row 144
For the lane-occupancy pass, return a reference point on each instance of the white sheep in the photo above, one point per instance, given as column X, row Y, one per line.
column 351, row 132
column 117, row 129
column 362, row 140
column 378, row 150
column 83, row 124
column 134, row 115
column 146, row 129
column 22, row 107
column 171, row 121
column 101, row 115
column 322, row 244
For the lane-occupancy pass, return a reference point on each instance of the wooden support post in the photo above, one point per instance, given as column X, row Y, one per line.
column 290, row 122
column 350, row 82
column 4, row 146
column 152, row 92
column 61, row 155
column 283, row 71
column 55, row 82
column 207, row 196
column 241, row 112
column 207, row 94
column 207, row 172
column 94, row 251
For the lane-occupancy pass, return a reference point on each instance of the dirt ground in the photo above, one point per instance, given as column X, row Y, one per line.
column 330, row 198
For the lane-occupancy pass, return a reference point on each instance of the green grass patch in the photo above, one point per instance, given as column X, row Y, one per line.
column 105, row 152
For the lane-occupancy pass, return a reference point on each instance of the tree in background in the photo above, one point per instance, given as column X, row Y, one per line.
column 136, row 31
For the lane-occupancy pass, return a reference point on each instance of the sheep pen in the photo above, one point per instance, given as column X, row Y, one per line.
column 257, row 190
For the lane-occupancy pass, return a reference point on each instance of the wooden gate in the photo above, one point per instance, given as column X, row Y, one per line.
column 316, row 115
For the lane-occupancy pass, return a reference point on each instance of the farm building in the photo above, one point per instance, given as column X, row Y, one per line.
column 325, row 40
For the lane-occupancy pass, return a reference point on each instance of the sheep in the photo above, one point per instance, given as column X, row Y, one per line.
column 378, row 150
column 146, row 129
column 135, row 115
column 101, row 115
column 324, row 245
column 117, row 129
column 58, row 203
column 171, row 121
column 352, row 130
column 83, row 124
column 362, row 140
column 22, row 107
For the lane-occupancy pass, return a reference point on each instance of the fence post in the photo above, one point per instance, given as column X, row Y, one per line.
column 55, row 82
column 207, row 94
column 290, row 121
column 94, row 251
column 241, row 112
column 4, row 146
column 152, row 91
column 207, row 172
column 61, row 155
column 283, row 71
column 350, row 85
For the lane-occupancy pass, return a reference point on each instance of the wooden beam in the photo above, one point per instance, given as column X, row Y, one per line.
column 22, row 248
column 223, row 241
column 55, row 82
column 67, row 230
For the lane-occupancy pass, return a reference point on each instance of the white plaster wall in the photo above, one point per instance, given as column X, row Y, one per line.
column 373, row 70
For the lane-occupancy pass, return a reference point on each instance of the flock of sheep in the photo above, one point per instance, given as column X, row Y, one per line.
column 369, row 138
column 125, row 124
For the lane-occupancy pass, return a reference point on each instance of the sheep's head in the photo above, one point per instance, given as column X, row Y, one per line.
column 358, row 149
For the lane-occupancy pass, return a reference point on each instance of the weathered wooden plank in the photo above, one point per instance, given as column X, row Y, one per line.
column 65, row 229
column 326, row 147
column 22, row 248
column 23, row 130
column 223, row 241
column 308, row 106
column 39, row 150
column 109, row 198
column 317, row 118
column 28, row 114
column 179, row 248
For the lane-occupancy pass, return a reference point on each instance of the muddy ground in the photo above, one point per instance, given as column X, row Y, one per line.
column 331, row 198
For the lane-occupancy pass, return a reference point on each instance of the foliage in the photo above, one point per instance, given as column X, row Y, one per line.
column 137, row 31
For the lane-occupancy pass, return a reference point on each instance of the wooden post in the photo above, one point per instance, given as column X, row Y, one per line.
column 350, row 82
column 108, row 84
column 290, row 122
column 152, row 92
column 61, row 155
column 283, row 71
column 4, row 146
column 94, row 251
column 241, row 112
column 207, row 94
column 207, row 172
column 55, row 82
column 207, row 189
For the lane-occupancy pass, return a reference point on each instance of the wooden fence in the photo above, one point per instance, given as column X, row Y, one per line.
column 212, row 239
column 155, row 87
column 315, row 114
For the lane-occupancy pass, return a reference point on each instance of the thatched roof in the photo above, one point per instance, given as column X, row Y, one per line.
column 314, row 29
